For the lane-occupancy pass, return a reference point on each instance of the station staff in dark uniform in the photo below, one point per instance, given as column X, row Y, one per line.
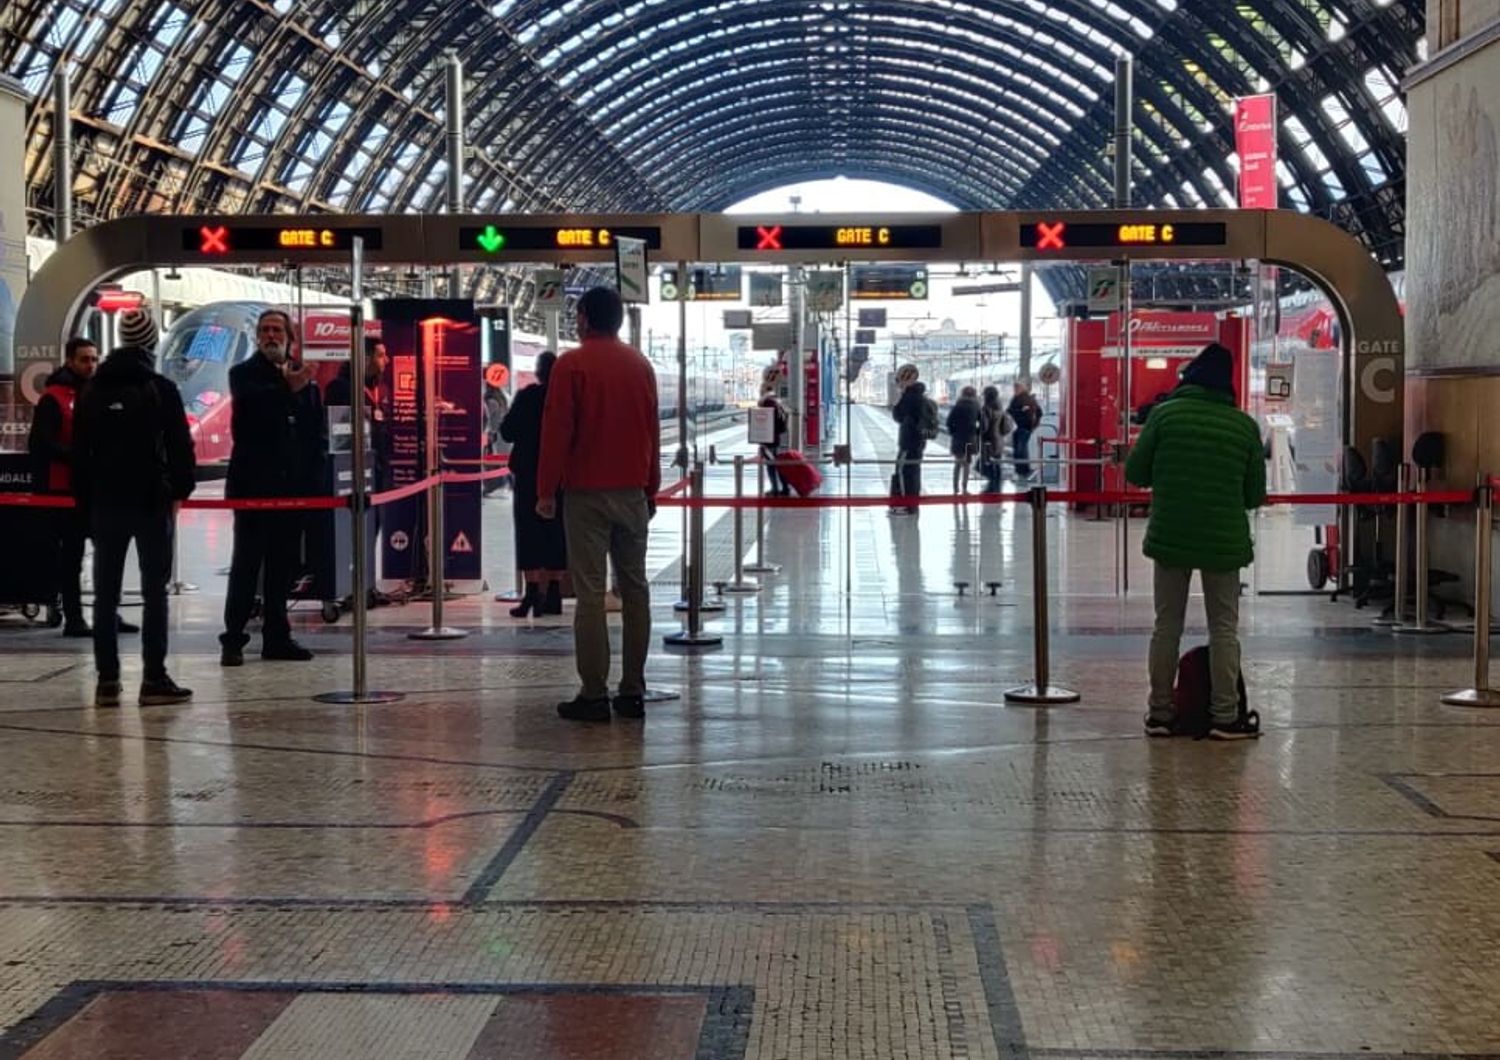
column 279, row 445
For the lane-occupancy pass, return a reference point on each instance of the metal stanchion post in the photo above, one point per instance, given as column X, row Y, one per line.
column 359, row 504
column 1397, row 616
column 760, row 566
column 691, row 538
column 740, row 586
column 177, row 586
column 1422, row 625
column 1481, row 694
column 1040, row 692
column 437, row 578
column 693, row 636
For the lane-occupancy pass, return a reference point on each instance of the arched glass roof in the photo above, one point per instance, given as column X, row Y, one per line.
column 305, row 105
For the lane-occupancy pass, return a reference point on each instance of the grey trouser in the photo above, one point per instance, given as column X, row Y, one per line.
column 603, row 526
column 1221, row 600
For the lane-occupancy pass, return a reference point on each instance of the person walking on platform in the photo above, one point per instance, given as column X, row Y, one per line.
column 51, row 444
column 1201, row 458
column 769, row 453
column 917, row 419
column 601, row 447
column 994, row 425
column 1026, row 413
column 496, row 408
column 276, row 423
column 541, row 545
column 963, row 436
column 133, row 466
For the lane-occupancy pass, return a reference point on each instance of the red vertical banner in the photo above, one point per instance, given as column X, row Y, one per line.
column 1255, row 140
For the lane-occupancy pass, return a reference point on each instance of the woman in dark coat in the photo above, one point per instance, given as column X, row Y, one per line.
column 541, row 548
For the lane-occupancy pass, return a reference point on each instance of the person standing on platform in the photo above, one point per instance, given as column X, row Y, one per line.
column 1201, row 457
column 377, row 426
column 541, row 545
column 276, row 422
column 601, row 447
column 1026, row 413
column 51, row 444
column 133, row 466
column 916, row 416
column 994, row 425
column 496, row 408
column 963, row 436
column 769, row 453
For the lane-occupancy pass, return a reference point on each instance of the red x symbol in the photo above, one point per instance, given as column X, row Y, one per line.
column 1050, row 237
column 770, row 238
column 215, row 240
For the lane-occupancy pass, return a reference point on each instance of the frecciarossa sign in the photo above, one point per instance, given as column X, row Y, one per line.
column 1173, row 329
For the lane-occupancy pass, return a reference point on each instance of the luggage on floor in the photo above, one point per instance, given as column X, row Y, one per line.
column 1193, row 692
column 797, row 473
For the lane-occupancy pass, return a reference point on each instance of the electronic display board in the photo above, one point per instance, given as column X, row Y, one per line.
column 502, row 238
column 1060, row 236
column 225, row 240
column 887, row 282
column 860, row 236
column 707, row 283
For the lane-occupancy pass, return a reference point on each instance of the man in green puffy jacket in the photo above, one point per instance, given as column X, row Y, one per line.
column 1203, row 461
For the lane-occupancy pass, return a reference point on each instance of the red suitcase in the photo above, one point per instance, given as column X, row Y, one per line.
column 797, row 473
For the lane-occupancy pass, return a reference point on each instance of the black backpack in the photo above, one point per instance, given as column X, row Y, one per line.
column 127, row 443
column 1193, row 692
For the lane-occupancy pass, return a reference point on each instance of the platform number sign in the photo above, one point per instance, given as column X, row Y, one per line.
column 550, row 291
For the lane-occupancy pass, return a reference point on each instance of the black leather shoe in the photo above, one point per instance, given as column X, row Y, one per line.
column 287, row 651
column 581, row 709
column 231, row 654
column 78, row 630
column 126, row 627
column 632, row 707
column 162, row 692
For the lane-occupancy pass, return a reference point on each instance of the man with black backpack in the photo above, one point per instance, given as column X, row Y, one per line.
column 133, row 466
column 917, row 417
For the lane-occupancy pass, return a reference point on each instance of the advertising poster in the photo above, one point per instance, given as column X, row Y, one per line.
column 436, row 405
column 1255, row 140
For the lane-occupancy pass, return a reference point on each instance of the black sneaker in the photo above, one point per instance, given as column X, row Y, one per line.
column 1158, row 726
column 78, row 630
column 126, row 627
column 107, row 694
column 231, row 653
column 581, row 709
column 287, row 651
column 162, row 692
column 630, row 706
column 1245, row 727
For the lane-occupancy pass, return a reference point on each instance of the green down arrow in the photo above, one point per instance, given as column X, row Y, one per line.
column 490, row 240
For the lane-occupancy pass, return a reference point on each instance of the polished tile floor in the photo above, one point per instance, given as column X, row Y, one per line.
column 838, row 842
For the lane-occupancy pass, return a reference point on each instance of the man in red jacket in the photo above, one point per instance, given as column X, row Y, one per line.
column 601, row 449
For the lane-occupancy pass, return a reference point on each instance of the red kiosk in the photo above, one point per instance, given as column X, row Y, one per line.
column 1162, row 343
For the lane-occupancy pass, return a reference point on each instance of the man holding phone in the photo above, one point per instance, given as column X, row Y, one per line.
column 278, row 431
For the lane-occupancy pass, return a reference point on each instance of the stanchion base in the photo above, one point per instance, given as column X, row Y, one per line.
column 438, row 633
column 741, row 588
column 1389, row 622
column 1432, row 629
column 707, row 607
column 1031, row 695
column 354, row 698
column 661, row 695
column 1473, row 697
column 684, row 639
column 178, row 588
column 762, row 568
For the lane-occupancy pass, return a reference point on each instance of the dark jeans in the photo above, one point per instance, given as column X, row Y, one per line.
column 773, row 473
column 907, row 481
column 114, row 527
column 1021, row 441
column 266, row 550
column 72, row 537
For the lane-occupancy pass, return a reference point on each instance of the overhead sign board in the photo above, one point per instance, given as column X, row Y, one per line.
column 1104, row 289
column 706, row 283
column 506, row 238
column 771, row 237
column 825, row 290
column 765, row 289
column 1061, row 236
column 882, row 283
column 225, row 240
column 551, row 293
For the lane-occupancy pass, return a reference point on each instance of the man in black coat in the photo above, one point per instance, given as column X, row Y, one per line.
column 133, row 466
column 279, row 434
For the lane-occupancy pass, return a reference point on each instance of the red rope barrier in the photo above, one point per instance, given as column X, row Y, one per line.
column 476, row 476
column 400, row 493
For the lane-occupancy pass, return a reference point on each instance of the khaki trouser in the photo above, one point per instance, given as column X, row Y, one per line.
column 1221, row 600
column 603, row 526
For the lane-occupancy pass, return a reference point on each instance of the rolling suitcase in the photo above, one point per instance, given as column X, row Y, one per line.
column 797, row 473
